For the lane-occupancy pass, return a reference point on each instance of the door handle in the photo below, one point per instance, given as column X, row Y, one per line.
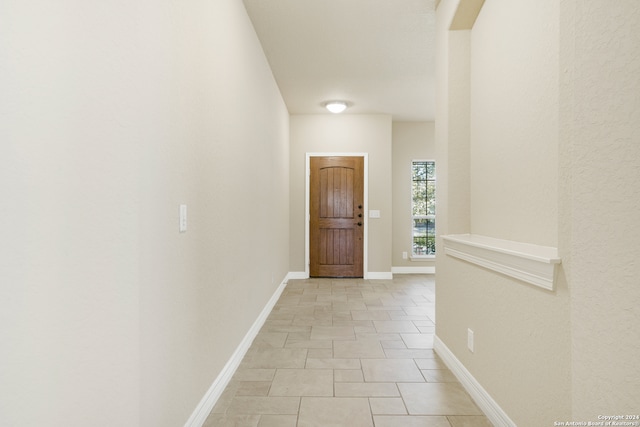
column 359, row 215
column 359, row 224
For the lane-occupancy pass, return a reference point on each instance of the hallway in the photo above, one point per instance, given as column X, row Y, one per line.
column 348, row 352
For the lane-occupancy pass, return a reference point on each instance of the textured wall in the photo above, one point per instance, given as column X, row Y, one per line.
column 554, row 86
column 112, row 114
column 500, row 149
column 411, row 141
column 600, row 155
column 344, row 134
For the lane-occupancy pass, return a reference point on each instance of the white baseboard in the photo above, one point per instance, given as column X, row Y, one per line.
column 413, row 270
column 200, row 414
column 297, row 275
column 378, row 275
column 491, row 409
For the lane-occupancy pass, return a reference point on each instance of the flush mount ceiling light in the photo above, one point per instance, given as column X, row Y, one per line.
column 336, row 107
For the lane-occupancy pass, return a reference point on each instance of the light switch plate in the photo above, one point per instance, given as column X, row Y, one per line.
column 374, row 213
column 183, row 218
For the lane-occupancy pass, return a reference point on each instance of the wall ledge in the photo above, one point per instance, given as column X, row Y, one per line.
column 530, row 263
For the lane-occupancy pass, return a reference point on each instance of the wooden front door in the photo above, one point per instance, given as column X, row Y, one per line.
column 336, row 205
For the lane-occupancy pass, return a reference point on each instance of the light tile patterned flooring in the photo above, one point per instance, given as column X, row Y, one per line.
column 348, row 352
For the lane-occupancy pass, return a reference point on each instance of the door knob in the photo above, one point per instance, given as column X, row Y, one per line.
column 360, row 215
column 359, row 224
column 359, row 206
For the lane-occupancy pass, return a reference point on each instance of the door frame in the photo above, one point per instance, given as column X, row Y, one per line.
column 307, row 213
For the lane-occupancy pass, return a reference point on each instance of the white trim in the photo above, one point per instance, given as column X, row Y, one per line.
column 297, row 275
column 485, row 402
column 204, row 408
column 378, row 275
column 413, row 270
column 533, row 264
column 422, row 258
column 365, row 255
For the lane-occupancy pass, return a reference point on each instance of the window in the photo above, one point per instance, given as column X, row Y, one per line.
column 423, row 207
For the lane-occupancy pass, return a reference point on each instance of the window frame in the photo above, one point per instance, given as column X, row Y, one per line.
column 414, row 217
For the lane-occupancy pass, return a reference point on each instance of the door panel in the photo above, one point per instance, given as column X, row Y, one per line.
column 337, row 220
column 336, row 246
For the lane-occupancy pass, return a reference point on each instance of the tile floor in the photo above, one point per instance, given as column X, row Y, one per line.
column 348, row 352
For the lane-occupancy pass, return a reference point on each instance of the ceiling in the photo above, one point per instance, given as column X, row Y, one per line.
column 378, row 55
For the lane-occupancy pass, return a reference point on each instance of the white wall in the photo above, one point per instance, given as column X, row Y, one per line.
column 554, row 131
column 600, row 231
column 113, row 114
column 344, row 134
column 514, row 121
column 501, row 125
column 411, row 141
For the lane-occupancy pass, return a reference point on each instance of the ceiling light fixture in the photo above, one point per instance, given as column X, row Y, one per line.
column 336, row 107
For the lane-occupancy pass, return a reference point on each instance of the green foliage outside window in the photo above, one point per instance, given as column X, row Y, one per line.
column 423, row 194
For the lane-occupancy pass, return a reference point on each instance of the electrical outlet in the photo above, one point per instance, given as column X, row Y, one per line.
column 404, row 255
column 183, row 218
column 470, row 340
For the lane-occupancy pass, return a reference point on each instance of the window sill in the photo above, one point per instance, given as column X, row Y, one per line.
column 533, row 264
column 422, row 258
